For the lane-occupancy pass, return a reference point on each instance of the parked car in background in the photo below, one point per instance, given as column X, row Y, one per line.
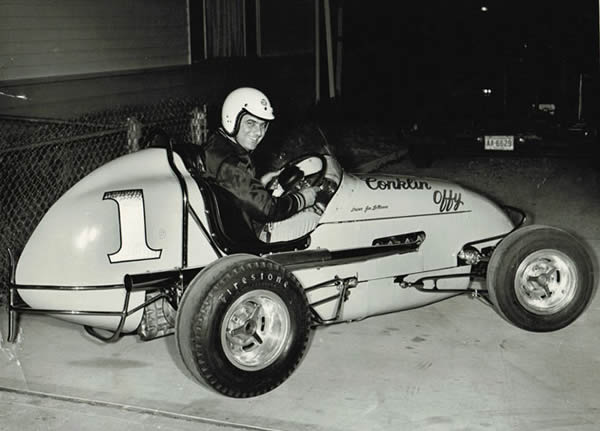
column 536, row 133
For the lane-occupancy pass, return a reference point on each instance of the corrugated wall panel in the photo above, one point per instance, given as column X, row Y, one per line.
column 43, row 38
column 209, row 80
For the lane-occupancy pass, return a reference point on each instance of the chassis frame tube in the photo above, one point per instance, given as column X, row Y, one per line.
column 131, row 283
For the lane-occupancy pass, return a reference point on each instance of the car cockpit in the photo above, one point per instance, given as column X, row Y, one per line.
column 228, row 228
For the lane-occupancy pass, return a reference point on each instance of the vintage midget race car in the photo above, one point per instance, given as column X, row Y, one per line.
column 142, row 246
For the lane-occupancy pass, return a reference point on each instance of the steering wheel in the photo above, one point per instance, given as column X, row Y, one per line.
column 306, row 171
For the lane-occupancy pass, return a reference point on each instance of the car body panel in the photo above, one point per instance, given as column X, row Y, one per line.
column 127, row 218
column 79, row 242
column 368, row 207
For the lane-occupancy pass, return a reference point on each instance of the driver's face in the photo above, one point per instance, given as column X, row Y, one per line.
column 251, row 132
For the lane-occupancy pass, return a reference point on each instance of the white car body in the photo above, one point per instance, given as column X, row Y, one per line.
column 127, row 216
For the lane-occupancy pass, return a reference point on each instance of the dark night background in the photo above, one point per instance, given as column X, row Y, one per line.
column 401, row 62
column 433, row 59
column 449, row 66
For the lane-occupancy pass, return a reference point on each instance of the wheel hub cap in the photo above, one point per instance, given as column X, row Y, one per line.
column 546, row 281
column 255, row 330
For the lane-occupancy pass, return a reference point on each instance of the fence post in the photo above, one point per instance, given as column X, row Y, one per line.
column 134, row 134
column 199, row 126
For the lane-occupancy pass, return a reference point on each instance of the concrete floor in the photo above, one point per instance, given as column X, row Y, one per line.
column 454, row 365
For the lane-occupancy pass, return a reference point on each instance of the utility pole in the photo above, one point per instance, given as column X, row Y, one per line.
column 318, row 53
column 329, row 49
column 258, row 31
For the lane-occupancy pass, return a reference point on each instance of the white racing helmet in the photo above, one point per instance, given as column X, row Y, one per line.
column 244, row 100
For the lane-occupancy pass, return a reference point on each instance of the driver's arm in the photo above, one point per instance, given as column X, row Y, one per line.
column 256, row 200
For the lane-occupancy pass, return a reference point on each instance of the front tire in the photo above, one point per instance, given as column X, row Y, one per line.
column 540, row 278
column 243, row 326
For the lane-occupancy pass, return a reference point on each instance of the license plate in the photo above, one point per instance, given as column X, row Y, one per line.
column 499, row 143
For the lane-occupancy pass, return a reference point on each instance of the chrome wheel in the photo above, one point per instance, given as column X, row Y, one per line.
column 255, row 330
column 546, row 281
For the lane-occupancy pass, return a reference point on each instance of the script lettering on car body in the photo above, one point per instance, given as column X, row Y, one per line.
column 369, row 208
column 448, row 200
column 396, row 184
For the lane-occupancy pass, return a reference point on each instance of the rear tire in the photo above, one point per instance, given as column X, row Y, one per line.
column 540, row 278
column 243, row 326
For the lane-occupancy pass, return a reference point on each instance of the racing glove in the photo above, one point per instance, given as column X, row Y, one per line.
column 308, row 196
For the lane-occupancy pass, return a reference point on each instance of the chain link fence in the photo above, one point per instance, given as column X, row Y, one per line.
column 42, row 158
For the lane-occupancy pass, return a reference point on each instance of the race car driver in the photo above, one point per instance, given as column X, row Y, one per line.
column 245, row 117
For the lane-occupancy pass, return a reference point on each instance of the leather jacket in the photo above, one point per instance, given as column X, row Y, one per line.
column 231, row 166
